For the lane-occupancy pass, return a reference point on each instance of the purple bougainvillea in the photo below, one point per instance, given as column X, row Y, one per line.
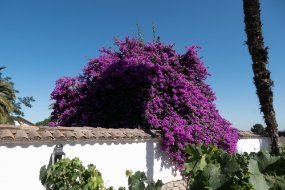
column 146, row 85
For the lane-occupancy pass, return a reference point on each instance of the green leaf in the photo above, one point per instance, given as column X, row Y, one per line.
column 230, row 165
column 276, row 182
column 72, row 175
column 264, row 159
column 209, row 178
column 196, row 161
column 256, row 178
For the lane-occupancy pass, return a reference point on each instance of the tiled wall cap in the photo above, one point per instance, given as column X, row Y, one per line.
column 46, row 135
column 98, row 135
column 249, row 134
column 57, row 134
column 89, row 135
column 6, row 135
column 21, row 135
column 129, row 135
column 115, row 135
column 70, row 135
column 34, row 135
column 79, row 135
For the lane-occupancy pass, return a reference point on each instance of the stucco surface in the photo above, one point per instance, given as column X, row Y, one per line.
column 22, row 164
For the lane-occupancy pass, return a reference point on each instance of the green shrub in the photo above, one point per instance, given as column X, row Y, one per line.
column 69, row 174
column 211, row 168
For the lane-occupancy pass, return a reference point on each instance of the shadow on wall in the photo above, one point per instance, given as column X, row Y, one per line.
column 264, row 143
column 166, row 162
column 154, row 152
column 149, row 159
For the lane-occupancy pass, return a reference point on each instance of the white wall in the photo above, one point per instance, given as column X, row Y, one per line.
column 20, row 166
column 255, row 144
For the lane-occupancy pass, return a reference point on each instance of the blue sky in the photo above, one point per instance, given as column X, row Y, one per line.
column 41, row 41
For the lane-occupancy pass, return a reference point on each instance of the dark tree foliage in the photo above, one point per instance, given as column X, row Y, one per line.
column 259, row 129
column 44, row 122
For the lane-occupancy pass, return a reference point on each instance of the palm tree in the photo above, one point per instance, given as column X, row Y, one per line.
column 7, row 96
column 262, row 80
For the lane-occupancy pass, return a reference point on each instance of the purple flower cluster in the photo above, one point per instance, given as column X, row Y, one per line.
column 146, row 85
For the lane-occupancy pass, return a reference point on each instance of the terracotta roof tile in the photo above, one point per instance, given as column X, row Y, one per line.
column 98, row 135
column 34, row 135
column 70, row 135
column 89, row 135
column 57, row 134
column 6, row 135
column 79, row 135
column 46, row 135
column 21, row 135
column 245, row 134
column 117, row 134
column 10, row 133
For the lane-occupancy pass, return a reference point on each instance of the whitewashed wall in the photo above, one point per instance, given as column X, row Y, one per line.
column 19, row 166
column 255, row 144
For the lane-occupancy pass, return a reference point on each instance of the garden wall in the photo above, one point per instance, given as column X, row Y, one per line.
column 250, row 142
column 22, row 164
column 25, row 149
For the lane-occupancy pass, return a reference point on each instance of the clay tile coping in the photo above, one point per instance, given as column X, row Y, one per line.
column 6, row 135
column 46, row 135
column 21, row 135
column 70, row 135
column 88, row 134
column 129, row 134
column 101, row 134
column 249, row 134
column 57, row 134
column 117, row 134
column 34, row 135
column 79, row 135
column 139, row 133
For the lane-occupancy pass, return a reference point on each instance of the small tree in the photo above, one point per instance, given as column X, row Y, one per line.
column 259, row 129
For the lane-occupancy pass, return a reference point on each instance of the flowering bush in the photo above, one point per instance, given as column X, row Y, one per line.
column 148, row 85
